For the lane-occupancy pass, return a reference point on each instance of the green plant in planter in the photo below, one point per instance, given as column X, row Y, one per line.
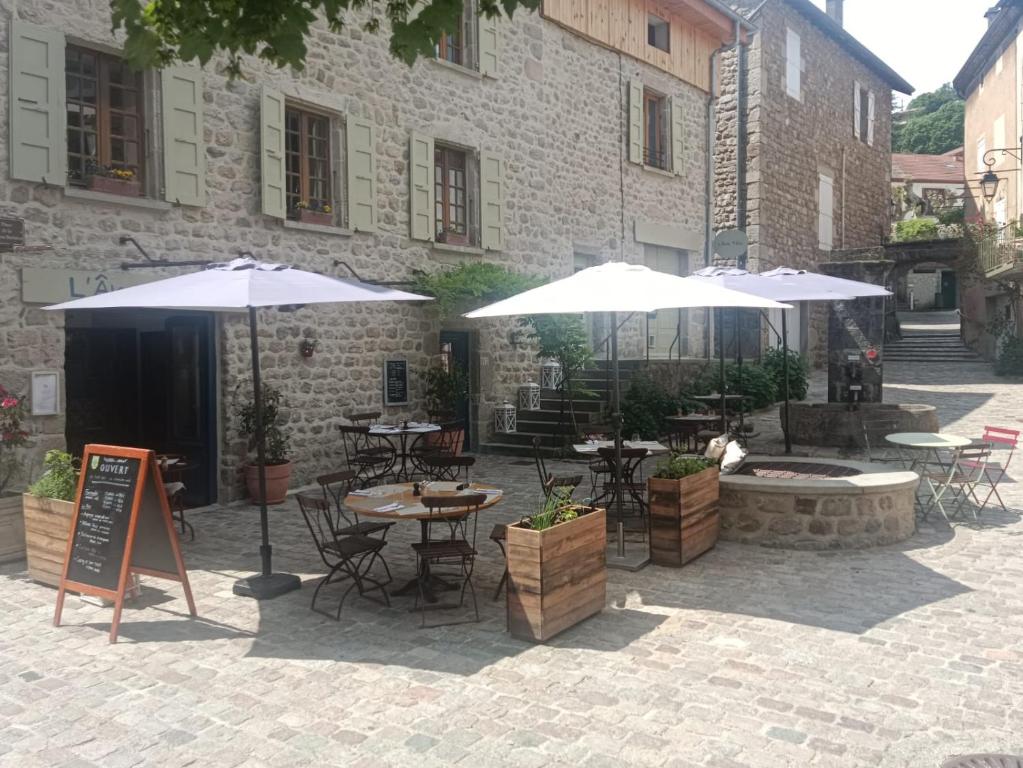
column 554, row 509
column 277, row 440
column 60, row 480
column 677, row 465
column 445, row 387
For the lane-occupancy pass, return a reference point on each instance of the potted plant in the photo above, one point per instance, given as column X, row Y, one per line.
column 446, row 386
column 684, row 521
column 278, row 466
column 314, row 212
column 12, row 439
column 557, row 572
column 112, row 180
column 48, row 508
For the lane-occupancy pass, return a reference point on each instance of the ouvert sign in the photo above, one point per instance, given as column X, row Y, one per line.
column 51, row 286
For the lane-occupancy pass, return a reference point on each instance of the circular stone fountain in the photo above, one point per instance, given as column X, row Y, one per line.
column 833, row 424
column 816, row 503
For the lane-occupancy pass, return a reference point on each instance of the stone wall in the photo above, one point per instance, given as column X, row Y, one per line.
column 555, row 114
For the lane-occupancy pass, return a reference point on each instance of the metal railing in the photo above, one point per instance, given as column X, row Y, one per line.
column 1000, row 249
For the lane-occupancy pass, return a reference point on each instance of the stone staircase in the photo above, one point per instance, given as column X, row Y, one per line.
column 937, row 347
column 550, row 425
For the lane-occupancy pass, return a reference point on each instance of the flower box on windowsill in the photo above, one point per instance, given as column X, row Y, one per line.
column 114, row 186
column 306, row 216
column 452, row 238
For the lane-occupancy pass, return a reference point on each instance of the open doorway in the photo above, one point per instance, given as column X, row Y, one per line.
column 145, row 378
column 454, row 349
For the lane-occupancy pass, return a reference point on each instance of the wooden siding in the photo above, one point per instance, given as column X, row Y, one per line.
column 622, row 26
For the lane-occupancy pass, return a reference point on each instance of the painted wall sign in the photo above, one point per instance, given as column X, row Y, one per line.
column 730, row 243
column 12, row 233
column 52, row 286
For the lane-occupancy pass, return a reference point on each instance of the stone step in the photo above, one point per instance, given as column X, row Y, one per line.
column 555, row 415
column 581, row 406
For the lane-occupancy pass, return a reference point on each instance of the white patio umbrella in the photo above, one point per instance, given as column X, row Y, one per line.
column 620, row 287
column 236, row 286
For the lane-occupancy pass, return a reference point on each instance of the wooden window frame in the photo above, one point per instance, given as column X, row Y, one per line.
column 655, row 157
column 667, row 26
column 459, row 48
column 451, row 47
column 104, row 62
column 442, row 192
column 305, row 117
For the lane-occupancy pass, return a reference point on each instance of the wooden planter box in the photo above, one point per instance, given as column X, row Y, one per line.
column 12, row 529
column 315, row 217
column 684, row 520
column 47, row 527
column 556, row 577
column 112, row 186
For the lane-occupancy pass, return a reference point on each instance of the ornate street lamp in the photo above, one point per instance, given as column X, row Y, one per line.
column 989, row 185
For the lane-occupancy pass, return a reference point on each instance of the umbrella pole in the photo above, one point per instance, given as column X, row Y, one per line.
column 267, row 584
column 785, row 377
column 618, row 424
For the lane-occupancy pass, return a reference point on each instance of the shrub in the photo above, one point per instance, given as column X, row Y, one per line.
column 60, row 480
column 277, row 439
column 1010, row 358
column 952, row 216
column 916, row 229
column 676, row 466
column 774, row 364
column 752, row 380
column 644, row 407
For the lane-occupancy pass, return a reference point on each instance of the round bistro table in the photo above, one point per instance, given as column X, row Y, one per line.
column 928, row 442
column 387, row 431
column 397, row 501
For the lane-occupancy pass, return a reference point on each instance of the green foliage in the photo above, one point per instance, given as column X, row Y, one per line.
column 677, row 465
column 753, row 380
column 916, row 229
column 564, row 338
column 161, row 32
column 645, row 406
column 554, row 509
column 774, row 363
column 933, row 124
column 1010, row 357
column 12, row 436
column 60, row 480
column 444, row 387
column 277, row 440
column 952, row 216
column 472, row 285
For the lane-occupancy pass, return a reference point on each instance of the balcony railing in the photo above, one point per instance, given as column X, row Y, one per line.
column 1001, row 252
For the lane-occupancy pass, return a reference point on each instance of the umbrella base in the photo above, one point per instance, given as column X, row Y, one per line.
column 635, row 560
column 262, row 587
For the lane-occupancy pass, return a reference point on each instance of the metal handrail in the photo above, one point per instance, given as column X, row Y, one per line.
column 999, row 249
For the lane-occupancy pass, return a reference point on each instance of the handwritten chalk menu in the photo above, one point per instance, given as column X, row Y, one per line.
column 396, row 382
column 12, row 233
column 101, row 528
column 122, row 526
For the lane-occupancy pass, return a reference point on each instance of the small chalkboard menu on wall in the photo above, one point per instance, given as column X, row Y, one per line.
column 122, row 525
column 396, row 382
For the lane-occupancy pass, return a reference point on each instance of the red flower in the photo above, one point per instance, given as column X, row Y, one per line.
column 9, row 402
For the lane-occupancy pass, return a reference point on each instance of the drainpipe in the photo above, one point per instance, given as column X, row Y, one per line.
column 740, row 138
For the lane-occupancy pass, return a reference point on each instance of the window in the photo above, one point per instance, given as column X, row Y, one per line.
column 104, row 117
column 793, row 65
column 658, row 33
column 451, row 48
column 863, row 114
column 457, row 47
column 655, row 145
column 450, row 189
column 826, row 215
column 307, row 162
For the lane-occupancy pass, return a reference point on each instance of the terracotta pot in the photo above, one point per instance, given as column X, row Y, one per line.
column 277, row 478
column 112, row 186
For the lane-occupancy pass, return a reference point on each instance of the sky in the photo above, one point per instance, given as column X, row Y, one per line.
column 925, row 41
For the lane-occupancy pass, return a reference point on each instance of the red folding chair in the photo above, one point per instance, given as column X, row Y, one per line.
column 997, row 439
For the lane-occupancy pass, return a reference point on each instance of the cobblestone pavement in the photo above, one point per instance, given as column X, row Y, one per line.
column 899, row 656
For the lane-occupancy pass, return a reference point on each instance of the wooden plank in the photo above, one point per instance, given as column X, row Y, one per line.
column 599, row 20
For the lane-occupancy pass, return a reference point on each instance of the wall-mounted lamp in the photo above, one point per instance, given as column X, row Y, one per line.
column 989, row 185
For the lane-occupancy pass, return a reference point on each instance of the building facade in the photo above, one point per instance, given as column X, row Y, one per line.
column 539, row 143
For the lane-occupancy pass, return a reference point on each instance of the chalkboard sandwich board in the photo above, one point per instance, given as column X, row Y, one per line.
column 396, row 382
column 121, row 525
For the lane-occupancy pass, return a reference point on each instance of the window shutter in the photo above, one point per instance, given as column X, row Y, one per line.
column 38, row 140
column 489, row 46
column 870, row 118
column 271, row 144
column 184, row 157
column 636, row 122
column 362, row 175
column 793, row 63
column 491, row 201
column 826, row 218
column 421, row 205
column 856, row 108
column 678, row 129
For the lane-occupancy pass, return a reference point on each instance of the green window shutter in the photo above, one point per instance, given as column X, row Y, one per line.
column 421, row 207
column 636, row 122
column 678, row 133
column 38, row 141
column 184, row 156
column 491, row 201
column 489, row 46
column 271, row 145
column 362, row 175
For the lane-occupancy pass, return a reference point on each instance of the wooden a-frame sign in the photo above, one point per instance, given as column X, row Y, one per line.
column 122, row 525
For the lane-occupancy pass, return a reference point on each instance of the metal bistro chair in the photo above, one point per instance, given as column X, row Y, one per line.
column 456, row 517
column 599, row 468
column 366, row 419
column 632, row 462
column 959, row 481
column 549, row 482
column 1004, row 440
column 369, row 461
column 347, row 557
column 337, row 485
column 440, row 443
column 443, row 467
column 875, row 428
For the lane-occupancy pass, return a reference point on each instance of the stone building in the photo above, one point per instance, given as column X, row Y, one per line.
column 815, row 167
column 543, row 143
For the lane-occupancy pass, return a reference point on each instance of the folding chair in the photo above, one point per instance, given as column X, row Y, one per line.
column 337, row 485
column 347, row 557
column 444, row 467
column 370, row 461
column 456, row 517
column 549, row 482
column 957, row 481
column 996, row 438
column 365, row 419
column 875, row 427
